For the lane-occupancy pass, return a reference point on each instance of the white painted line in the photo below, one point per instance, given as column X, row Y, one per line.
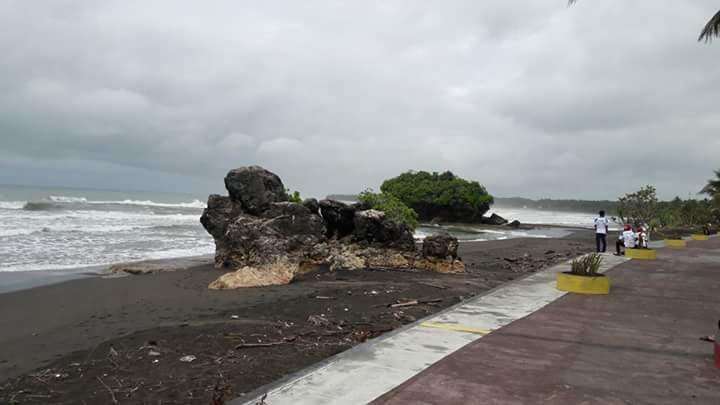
column 371, row 369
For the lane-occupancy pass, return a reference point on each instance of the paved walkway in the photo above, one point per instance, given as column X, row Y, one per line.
column 638, row 345
column 527, row 343
column 369, row 370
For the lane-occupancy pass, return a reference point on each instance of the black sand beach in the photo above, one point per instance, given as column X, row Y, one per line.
column 79, row 341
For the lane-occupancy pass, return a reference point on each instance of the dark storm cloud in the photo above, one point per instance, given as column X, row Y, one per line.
column 538, row 100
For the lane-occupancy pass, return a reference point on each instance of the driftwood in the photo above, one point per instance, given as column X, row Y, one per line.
column 442, row 287
column 254, row 345
column 415, row 302
column 112, row 394
column 405, row 304
column 288, row 339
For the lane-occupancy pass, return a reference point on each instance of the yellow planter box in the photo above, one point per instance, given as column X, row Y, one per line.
column 641, row 254
column 676, row 243
column 700, row 237
column 582, row 284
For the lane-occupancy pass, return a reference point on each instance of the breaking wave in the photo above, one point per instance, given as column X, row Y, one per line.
column 81, row 203
column 12, row 205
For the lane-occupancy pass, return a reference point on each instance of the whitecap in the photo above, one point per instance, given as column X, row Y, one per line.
column 12, row 205
column 149, row 203
column 66, row 199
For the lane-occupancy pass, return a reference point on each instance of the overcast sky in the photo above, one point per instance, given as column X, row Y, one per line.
column 530, row 98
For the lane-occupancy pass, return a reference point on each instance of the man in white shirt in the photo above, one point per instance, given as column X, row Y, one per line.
column 601, row 231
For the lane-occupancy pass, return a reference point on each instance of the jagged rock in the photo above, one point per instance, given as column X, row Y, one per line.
column 441, row 246
column 293, row 220
column 338, row 218
column 280, row 272
column 440, row 265
column 390, row 259
column 312, row 205
column 216, row 216
column 375, row 228
column 254, row 241
column 494, row 219
column 347, row 259
column 367, row 224
column 360, row 206
column 514, row 224
column 255, row 188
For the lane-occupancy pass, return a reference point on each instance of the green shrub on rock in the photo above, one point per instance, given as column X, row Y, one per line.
column 391, row 206
column 294, row 197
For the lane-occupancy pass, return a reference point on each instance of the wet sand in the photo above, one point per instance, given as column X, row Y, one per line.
column 82, row 339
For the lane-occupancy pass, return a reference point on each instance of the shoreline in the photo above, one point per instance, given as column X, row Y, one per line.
column 69, row 328
column 11, row 281
column 25, row 279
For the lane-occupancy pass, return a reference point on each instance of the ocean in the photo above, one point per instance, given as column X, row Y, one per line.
column 61, row 229
column 54, row 229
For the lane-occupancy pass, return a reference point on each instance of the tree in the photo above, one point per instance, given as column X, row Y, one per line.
column 711, row 29
column 443, row 196
column 712, row 188
column 640, row 207
column 391, row 206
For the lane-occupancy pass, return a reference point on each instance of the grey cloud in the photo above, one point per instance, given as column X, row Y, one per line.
column 530, row 99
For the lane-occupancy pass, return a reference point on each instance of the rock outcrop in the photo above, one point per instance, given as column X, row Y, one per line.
column 441, row 246
column 264, row 239
column 514, row 224
column 277, row 273
column 376, row 229
column 254, row 188
column 493, row 219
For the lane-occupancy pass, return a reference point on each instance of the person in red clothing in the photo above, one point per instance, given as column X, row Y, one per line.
column 625, row 240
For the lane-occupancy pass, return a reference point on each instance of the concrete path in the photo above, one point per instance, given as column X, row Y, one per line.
column 376, row 367
column 638, row 345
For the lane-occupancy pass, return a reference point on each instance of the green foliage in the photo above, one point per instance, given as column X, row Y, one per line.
column 391, row 206
column 294, row 197
column 712, row 188
column 640, row 207
column 587, row 265
column 686, row 213
column 643, row 207
column 440, row 195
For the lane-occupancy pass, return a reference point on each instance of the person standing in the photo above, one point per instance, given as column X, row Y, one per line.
column 601, row 231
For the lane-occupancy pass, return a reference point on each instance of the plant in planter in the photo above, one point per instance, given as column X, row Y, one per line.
column 584, row 277
column 587, row 266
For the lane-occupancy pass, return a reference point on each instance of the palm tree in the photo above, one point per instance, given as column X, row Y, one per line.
column 712, row 188
column 712, row 28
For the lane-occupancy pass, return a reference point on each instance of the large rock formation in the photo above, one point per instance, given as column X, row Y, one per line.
column 254, row 188
column 374, row 228
column 493, row 219
column 440, row 246
column 266, row 240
